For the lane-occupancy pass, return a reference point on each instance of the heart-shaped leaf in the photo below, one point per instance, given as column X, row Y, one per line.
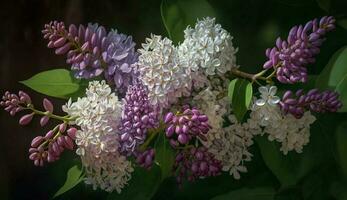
column 58, row 83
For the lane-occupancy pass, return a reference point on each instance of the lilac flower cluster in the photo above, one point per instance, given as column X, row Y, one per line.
column 196, row 163
column 91, row 51
column 15, row 103
column 290, row 57
column 314, row 100
column 138, row 116
column 145, row 159
column 49, row 148
column 186, row 125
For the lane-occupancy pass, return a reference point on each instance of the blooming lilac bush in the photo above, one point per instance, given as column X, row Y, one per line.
column 183, row 93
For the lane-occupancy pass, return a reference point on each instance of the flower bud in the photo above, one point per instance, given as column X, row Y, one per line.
column 47, row 104
column 26, row 119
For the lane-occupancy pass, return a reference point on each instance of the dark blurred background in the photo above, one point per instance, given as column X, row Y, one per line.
column 255, row 24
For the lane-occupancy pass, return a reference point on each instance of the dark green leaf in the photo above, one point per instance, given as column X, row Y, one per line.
column 339, row 190
column 74, row 176
column 178, row 14
column 164, row 155
column 334, row 76
column 342, row 23
column 279, row 164
column 261, row 193
column 58, row 83
column 291, row 168
column 142, row 186
column 240, row 92
column 324, row 4
column 341, row 146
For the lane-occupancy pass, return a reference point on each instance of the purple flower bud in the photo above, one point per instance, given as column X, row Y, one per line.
column 47, row 104
column 62, row 127
column 182, row 138
column 72, row 133
column 49, row 135
column 196, row 163
column 44, row 120
column 37, row 141
column 290, row 57
column 68, row 143
column 314, row 101
column 26, row 119
column 139, row 116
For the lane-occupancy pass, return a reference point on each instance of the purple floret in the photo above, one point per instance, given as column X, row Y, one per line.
column 290, row 57
column 314, row 101
column 196, row 163
column 138, row 116
column 184, row 126
column 92, row 51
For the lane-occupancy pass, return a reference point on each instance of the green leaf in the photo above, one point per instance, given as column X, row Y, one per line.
column 74, row 176
column 142, row 186
column 58, row 83
column 324, row 4
column 261, row 193
column 342, row 23
column 341, row 146
column 282, row 167
column 334, row 76
column 240, row 92
column 339, row 191
column 164, row 155
column 293, row 167
column 178, row 14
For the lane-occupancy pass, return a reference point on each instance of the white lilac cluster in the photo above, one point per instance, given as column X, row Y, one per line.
column 98, row 116
column 170, row 72
column 161, row 71
column 228, row 144
column 207, row 48
column 292, row 133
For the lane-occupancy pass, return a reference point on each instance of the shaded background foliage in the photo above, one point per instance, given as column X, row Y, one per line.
column 255, row 24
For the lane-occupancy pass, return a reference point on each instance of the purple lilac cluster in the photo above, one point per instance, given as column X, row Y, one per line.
column 196, row 163
column 92, row 51
column 290, row 57
column 183, row 126
column 138, row 116
column 145, row 159
column 314, row 100
column 49, row 148
column 15, row 103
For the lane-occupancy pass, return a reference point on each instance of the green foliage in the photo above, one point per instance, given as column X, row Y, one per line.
column 58, row 83
column 293, row 167
column 341, row 146
column 178, row 14
column 283, row 167
column 74, row 177
column 240, row 92
column 324, row 4
column 142, row 186
column 339, row 191
column 342, row 23
column 334, row 76
column 164, row 155
column 261, row 193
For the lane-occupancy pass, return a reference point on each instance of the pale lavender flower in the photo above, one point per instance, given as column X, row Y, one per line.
column 92, row 51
